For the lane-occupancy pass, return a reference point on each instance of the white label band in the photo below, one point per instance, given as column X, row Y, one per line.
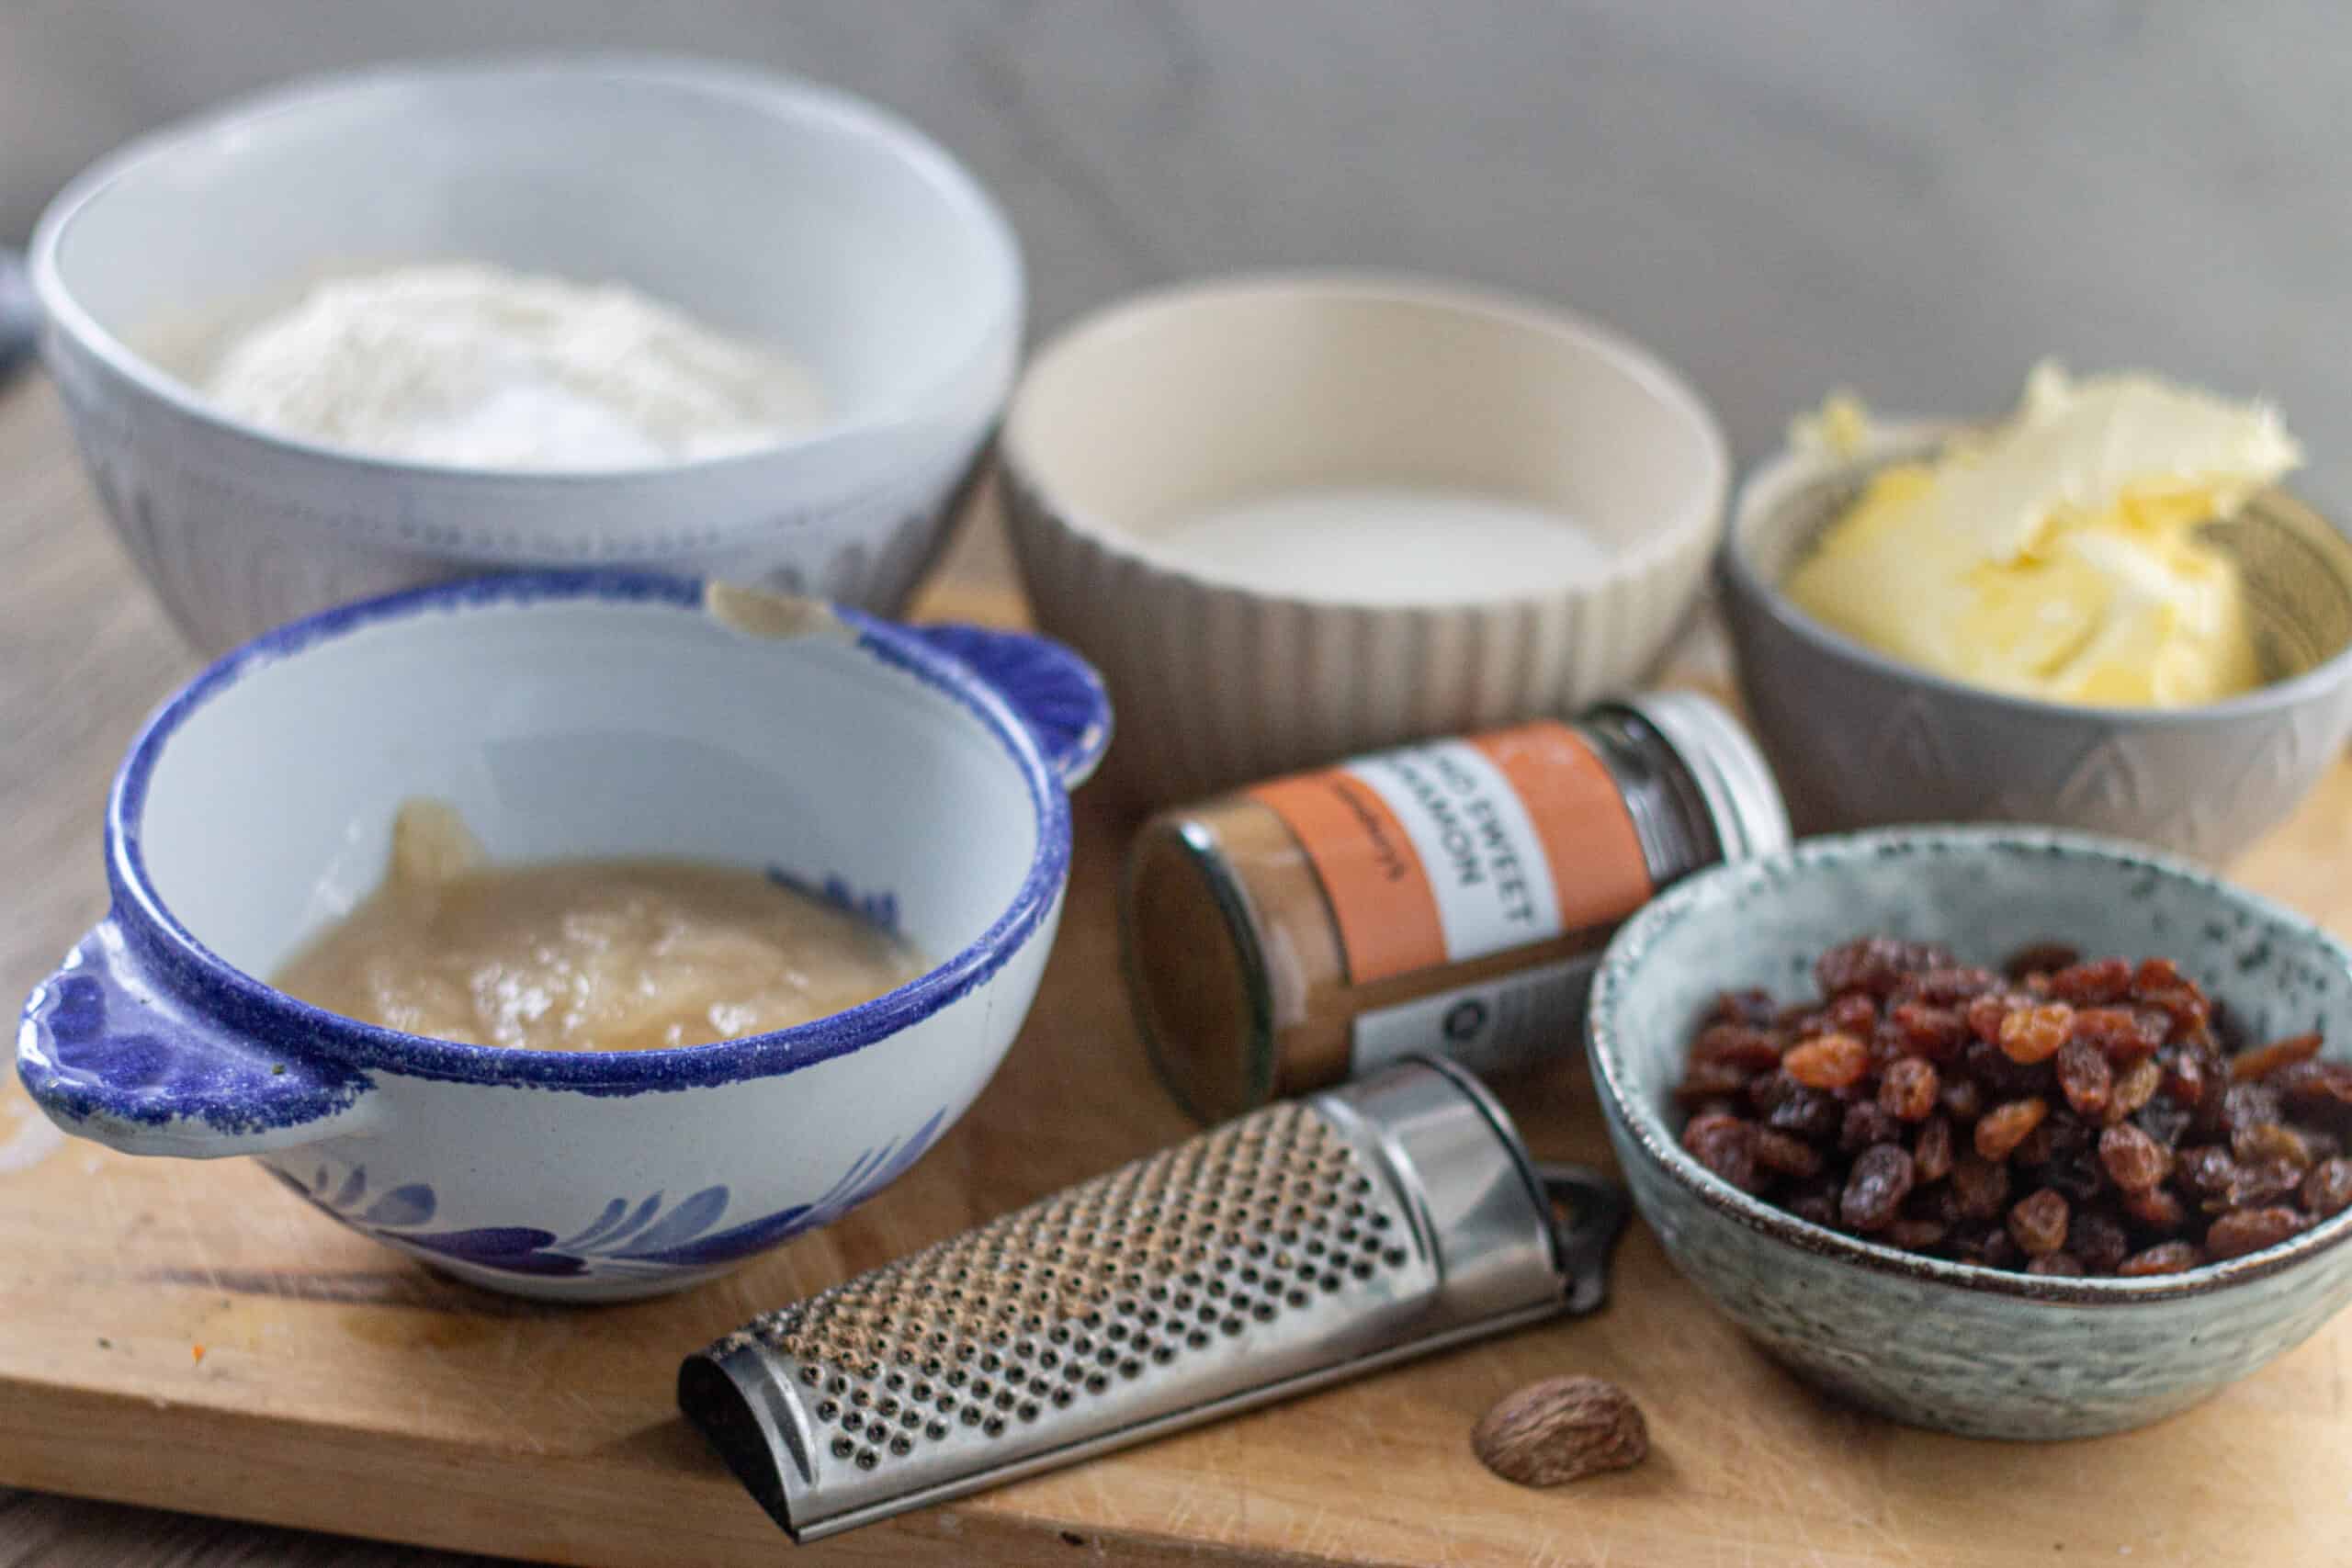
column 1491, row 1026
column 1485, row 863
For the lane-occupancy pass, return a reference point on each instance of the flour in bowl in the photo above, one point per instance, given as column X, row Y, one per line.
column 481, row 367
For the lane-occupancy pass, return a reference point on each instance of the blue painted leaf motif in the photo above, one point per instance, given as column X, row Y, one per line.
column 624, row 1238
column 605, row 1222
column 872, row 1171
column 685, row 1223
column 635, row 1222
column 513, row 1249
column 410, row 1205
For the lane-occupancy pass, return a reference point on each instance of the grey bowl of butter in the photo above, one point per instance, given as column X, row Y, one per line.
column 2073, row 732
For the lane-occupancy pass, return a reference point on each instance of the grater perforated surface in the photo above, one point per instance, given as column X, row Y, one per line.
column 1179, row 1254
column 1301, row 1245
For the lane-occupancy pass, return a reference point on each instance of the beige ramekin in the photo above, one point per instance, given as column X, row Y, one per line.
column 1146, row 413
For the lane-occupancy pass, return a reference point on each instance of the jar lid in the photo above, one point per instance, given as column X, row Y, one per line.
column 1742, row 796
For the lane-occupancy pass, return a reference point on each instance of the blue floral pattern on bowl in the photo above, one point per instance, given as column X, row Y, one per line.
column 639, row 1239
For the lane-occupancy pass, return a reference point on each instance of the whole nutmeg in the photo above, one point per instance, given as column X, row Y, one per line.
column 1561, row 1429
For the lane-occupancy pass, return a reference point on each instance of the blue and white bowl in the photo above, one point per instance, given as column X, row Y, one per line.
column 918, row 774
column 1986, row 1352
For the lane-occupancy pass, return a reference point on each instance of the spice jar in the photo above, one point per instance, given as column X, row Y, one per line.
column 1454, row 896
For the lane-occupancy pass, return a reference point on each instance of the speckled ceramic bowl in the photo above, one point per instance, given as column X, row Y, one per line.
column 1980, row 1351
column 773, row 208
column 1859, row 740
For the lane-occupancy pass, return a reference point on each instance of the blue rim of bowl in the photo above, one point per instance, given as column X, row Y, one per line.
column 148, row 921
column 1908, row 439
column 828, row 106
column 1628, row 949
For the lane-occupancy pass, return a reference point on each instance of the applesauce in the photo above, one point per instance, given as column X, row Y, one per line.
column 588, row 955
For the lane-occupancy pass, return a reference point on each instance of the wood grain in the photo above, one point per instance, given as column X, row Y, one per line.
column 339, row 1387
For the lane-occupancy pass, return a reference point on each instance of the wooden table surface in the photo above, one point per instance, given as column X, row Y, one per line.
column 348, row 1389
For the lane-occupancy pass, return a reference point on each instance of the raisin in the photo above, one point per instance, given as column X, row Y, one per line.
column 2184, row 1079
column 1753, row 1007
column 1710, row 1081
column 1867, row 1123
column 1853, row 1014
column 2003, row 1078
column 2038, row 1222
column 1827, row 1061
column 1737, row 1045
column 2165, row 1122
column 2185, row 1005
column 2100, row 980
column 2264, row 1060
column 1876, row 1189
column 1932, row 1033
column 1999, row 1249
column 2134, row 1161
column 2097, row 1239
column 1816, row 1202
column 2206, row 1172
column 2040, row 958
column 1984, row 1015
column 2002, row 1128
column 1947, row 987
column 1980, row 1187
column 2063, row 1265
column 2083, row 1077
column 2078, row 1175
column 2263, row 1182
column 2156, row 1207
column 1916, row 1235
column 1931, row 1151
column 1906, row 1091
column 2034, row 1034
column 2250, row 1230
column 1785, row 1156
column 2120, row 1035
column 1806, row 1114
column 2165, row 1258
column 1964, row 1100
column 1876, row 964
column 2267, row 1141
column 2250, row 1105
column 2134, row 1087
column 2157, row 973
column 2315, row 1084
column 2328, row 1189
column 1724, row 1145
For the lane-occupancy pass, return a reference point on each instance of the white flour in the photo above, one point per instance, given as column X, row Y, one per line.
column 473, row 366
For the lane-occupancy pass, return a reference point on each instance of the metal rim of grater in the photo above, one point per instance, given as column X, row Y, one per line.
column 1302, row 1243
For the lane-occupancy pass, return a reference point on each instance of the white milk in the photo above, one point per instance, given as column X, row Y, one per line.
column 1382, row 545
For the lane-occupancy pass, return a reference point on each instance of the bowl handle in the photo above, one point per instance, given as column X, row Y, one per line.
column 113, row 1053
column 1057, row 693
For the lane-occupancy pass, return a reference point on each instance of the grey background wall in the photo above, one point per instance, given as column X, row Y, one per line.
column 1913, row 199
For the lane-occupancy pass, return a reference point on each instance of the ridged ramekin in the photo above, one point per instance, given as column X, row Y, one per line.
column 1145, row 413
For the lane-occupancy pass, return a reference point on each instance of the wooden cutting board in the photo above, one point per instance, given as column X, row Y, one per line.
column 188, row 1336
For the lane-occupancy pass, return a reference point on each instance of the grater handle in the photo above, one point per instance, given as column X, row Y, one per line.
column 1589, row 1212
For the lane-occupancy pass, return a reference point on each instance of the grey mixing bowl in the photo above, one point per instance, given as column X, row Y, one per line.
column 1981, row 1351
column 1860, row 740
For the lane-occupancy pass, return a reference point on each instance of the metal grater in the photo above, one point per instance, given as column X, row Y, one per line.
column 1295, row 1246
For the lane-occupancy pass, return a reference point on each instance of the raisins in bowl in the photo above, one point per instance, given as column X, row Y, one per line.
column 2065, row 1114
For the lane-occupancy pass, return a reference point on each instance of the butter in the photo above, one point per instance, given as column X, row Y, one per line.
column 2058, row 555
